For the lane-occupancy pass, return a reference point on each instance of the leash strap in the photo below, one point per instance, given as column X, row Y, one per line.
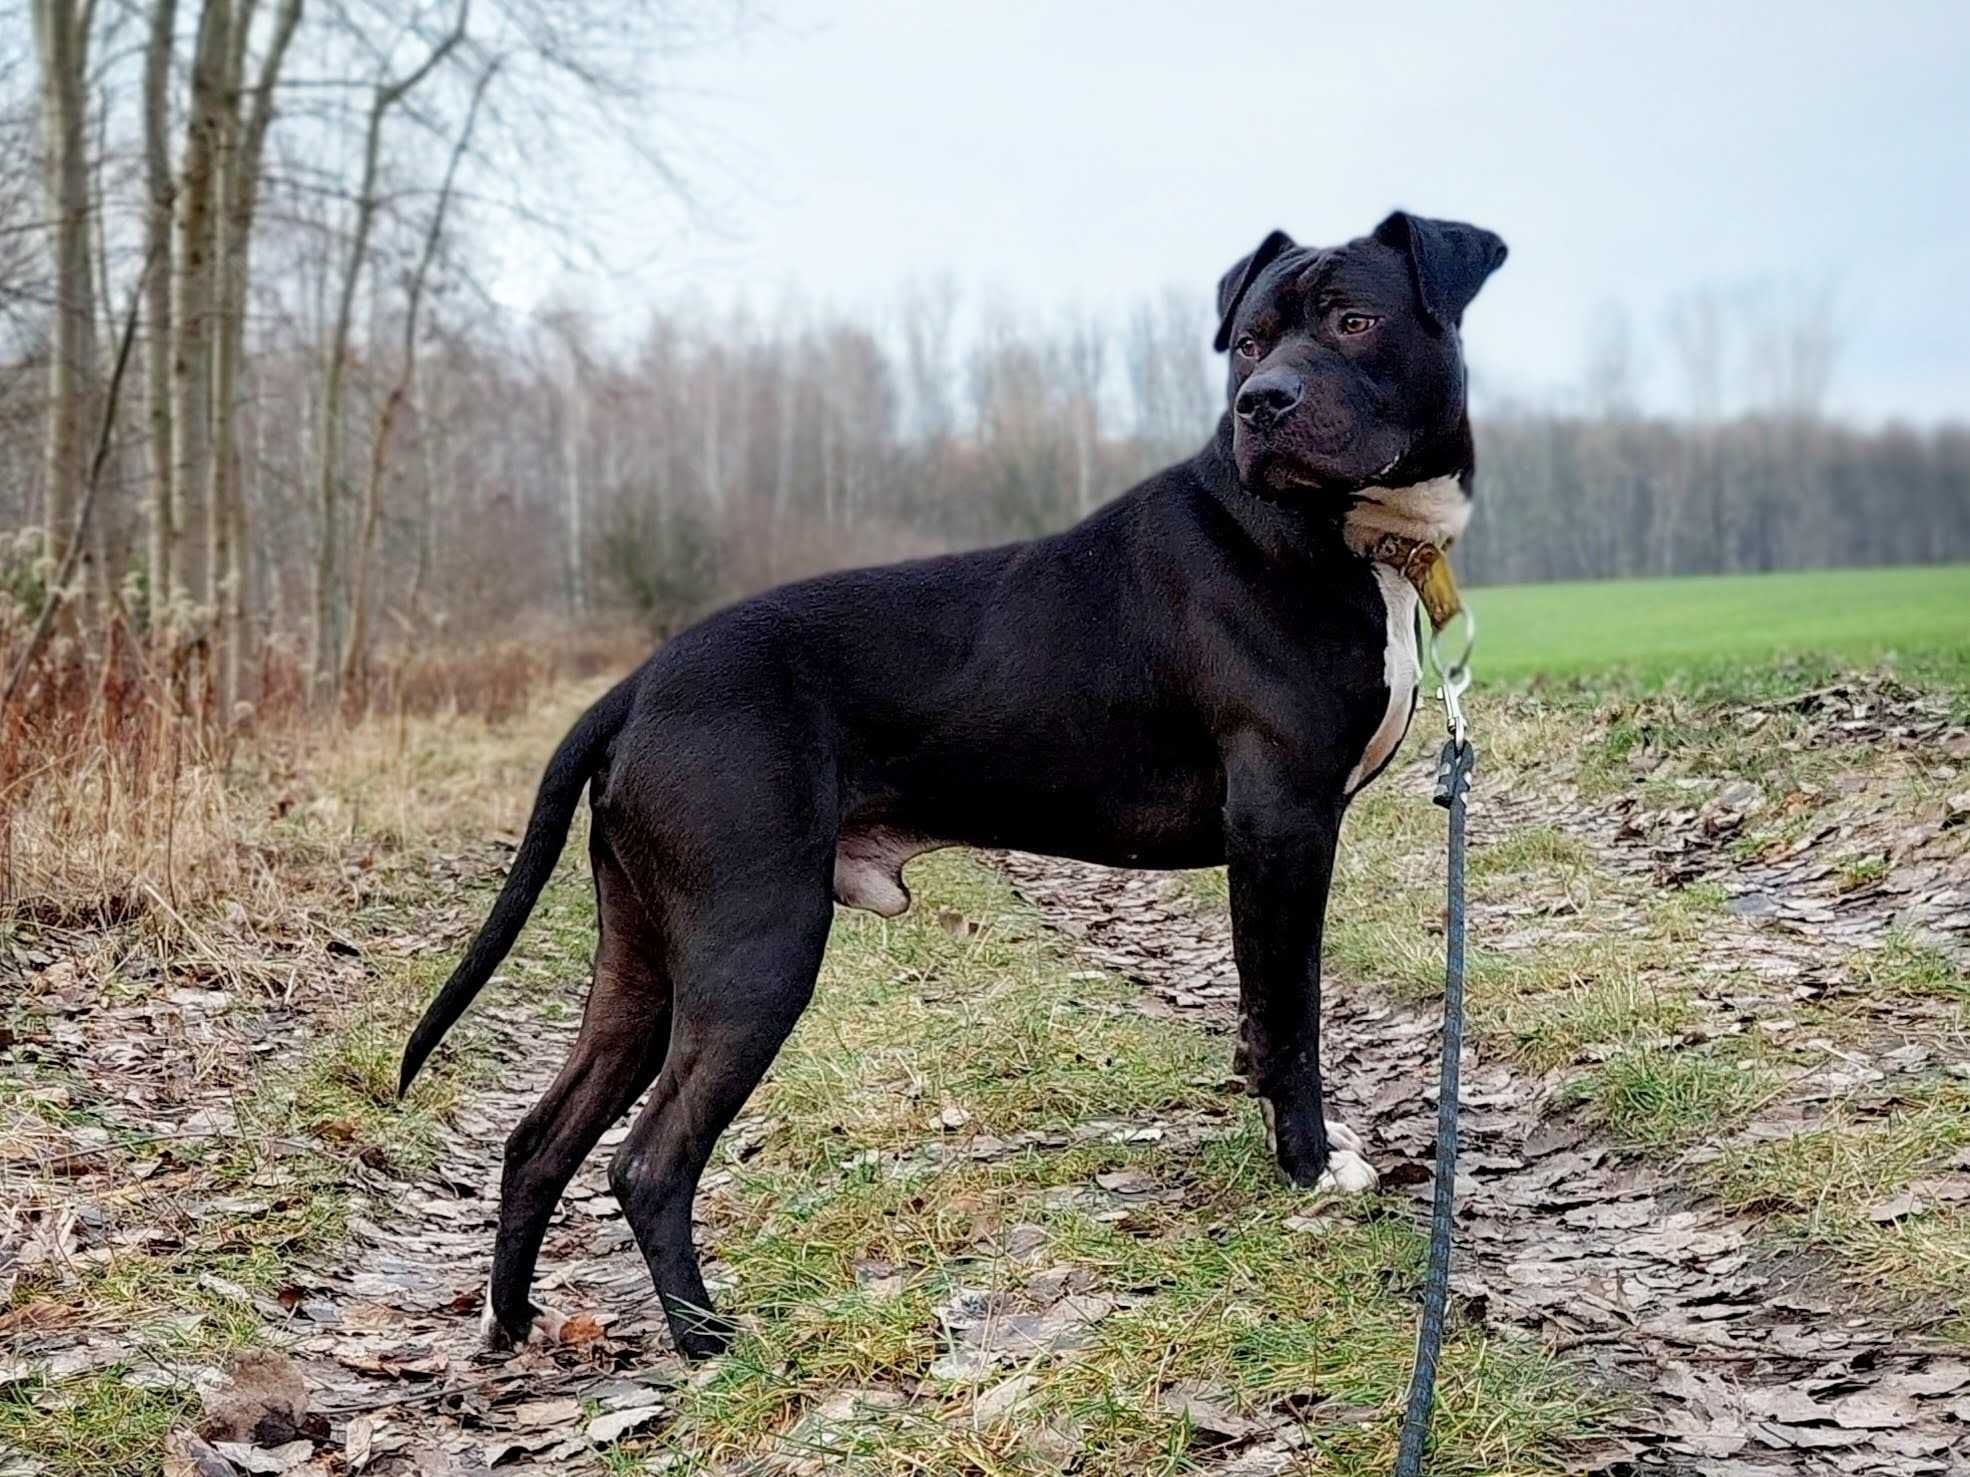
column 1453, row 783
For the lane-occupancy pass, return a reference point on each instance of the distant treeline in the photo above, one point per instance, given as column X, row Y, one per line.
column 543, row 471
column 1569, row 498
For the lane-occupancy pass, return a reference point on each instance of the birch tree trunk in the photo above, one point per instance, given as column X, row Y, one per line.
column 219, row 447
column 573, row 432
column 61, row 38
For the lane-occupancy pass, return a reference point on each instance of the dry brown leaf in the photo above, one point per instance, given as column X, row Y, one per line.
column 580, row 1330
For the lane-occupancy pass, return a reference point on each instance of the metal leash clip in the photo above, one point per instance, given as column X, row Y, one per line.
column 1454, row 678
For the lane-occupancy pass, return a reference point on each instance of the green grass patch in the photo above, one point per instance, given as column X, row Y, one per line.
column 1739, row 631
column 1536, row 849
column 1906, row 965
column 98, row 1425
column 1660, row 1099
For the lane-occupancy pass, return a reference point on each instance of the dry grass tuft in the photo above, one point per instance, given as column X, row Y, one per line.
column 127, row 798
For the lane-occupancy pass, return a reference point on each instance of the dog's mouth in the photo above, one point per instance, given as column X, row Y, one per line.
column 1277, row 470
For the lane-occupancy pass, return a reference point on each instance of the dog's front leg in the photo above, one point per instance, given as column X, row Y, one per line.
column 1280, row 838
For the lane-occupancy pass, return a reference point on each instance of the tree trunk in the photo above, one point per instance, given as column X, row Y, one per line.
column 192, row 284
column 236, row 198
column 61, row 36
column 157, row 302
column 572, row 432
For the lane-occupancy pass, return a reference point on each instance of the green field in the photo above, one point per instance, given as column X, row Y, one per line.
column 1699, row 627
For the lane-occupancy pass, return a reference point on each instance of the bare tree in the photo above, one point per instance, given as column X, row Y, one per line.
column 192, row 309
column 355, row 656
column 246, row 123
column 1084, row 363
column 386, row 93
column 61, row 36
column 160, row 190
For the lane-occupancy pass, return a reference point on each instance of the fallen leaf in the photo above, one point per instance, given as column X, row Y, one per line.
column 1205, row 1413
column 619, row 1423
column 266, row 1459
column 1873, row 1410
column 547, row 1412
column 356, row 1443
column 1899, row 1208
column 1002, row 1399
column 186, row 1455
column 581, row 1329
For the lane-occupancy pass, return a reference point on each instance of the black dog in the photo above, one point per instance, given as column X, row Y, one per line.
column 1203, row 672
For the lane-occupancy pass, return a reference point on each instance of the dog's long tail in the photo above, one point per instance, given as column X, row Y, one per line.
column 540, row 849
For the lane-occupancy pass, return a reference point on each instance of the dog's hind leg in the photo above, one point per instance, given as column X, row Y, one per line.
column 620, row 1050
column 742, row 981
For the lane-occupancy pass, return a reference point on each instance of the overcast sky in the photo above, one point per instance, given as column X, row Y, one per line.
column 1090, row 154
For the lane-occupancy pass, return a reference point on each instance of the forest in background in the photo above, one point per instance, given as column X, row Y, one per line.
column 327, row 438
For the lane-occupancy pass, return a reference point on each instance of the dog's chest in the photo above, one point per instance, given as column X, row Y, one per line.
column 1399, row 673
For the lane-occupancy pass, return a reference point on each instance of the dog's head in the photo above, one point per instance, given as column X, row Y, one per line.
column 1346, row 368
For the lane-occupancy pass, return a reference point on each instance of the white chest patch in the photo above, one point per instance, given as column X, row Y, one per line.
column 1399, row 671
column 1433, row 511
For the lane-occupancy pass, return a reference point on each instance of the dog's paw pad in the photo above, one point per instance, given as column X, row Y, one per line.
column 1340, row 1136
column 1347, row 1173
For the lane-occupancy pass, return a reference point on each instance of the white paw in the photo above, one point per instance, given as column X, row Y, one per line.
column 1346, row 1171
column 1340, row 1136
column 545, row 1329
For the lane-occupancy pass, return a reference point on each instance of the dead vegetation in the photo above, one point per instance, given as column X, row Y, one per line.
column 210, row 936
column 126, row 794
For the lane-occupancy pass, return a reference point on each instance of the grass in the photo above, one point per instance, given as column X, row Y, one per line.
column 1718, row 628
column 98, row 1425
column 1834, row 1190
column 1906, row 965
column 1215, row 1280
column 1657, row 1099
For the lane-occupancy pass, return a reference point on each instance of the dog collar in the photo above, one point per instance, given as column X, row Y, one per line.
column 1427, row 567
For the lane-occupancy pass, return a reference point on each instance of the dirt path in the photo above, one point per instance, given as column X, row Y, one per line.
column 386, row 1333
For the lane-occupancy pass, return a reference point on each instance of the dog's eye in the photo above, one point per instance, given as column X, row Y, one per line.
column 1248, row 347
column 1354, row 323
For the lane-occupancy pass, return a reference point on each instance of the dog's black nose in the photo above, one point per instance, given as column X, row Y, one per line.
column 1267, row 396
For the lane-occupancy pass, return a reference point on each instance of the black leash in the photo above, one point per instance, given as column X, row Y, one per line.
column 1453, row 784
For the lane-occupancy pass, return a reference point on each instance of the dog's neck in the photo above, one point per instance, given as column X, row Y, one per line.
column 1429, row 513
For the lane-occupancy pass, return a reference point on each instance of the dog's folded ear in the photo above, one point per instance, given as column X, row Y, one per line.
column 1233, row 285
column 1448, row 259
